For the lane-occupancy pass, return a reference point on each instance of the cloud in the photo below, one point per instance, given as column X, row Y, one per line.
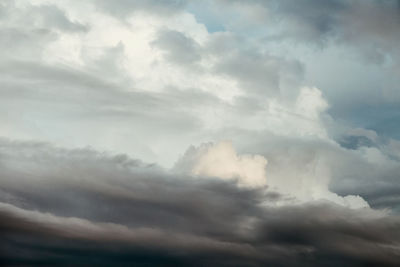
column 124, row 8
column 220, row 160
column 178, row 47
column 302, row 178
column 67, row 84
column 259, row 74
column 69, row 205
column 357, row 172
column 36, row 25
column 347, row 49
column 309, row 176
column 309, row 169
column 41, row 16
column 375, row 22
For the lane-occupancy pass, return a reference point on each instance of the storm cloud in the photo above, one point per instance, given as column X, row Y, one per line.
column 82, row 206
column 199, row 133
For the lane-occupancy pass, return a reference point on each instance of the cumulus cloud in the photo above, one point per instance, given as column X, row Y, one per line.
column 108, row 95
column 302, row 178
column 307, row 177
column 221, row 161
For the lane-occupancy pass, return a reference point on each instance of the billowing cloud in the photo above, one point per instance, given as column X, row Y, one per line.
column 221, row 161
column 73, row 204
column 303, row 179
column 99, row 100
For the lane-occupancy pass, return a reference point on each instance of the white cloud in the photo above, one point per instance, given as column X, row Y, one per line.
column 95, row 79
column 221, row 160
column 306, row 174
column 304, row 177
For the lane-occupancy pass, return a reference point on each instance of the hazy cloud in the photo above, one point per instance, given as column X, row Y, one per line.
column 123, row 8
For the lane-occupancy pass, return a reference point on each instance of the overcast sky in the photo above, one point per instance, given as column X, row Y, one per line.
column 200, row 133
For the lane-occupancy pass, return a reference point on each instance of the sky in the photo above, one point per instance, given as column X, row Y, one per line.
column 200, row 133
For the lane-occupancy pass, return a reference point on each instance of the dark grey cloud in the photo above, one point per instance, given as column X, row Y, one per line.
column 308, row 19
column 370, row 25
column 67, row 206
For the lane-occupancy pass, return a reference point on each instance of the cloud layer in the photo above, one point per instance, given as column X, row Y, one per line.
column 211, row 133
column 82, row 206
